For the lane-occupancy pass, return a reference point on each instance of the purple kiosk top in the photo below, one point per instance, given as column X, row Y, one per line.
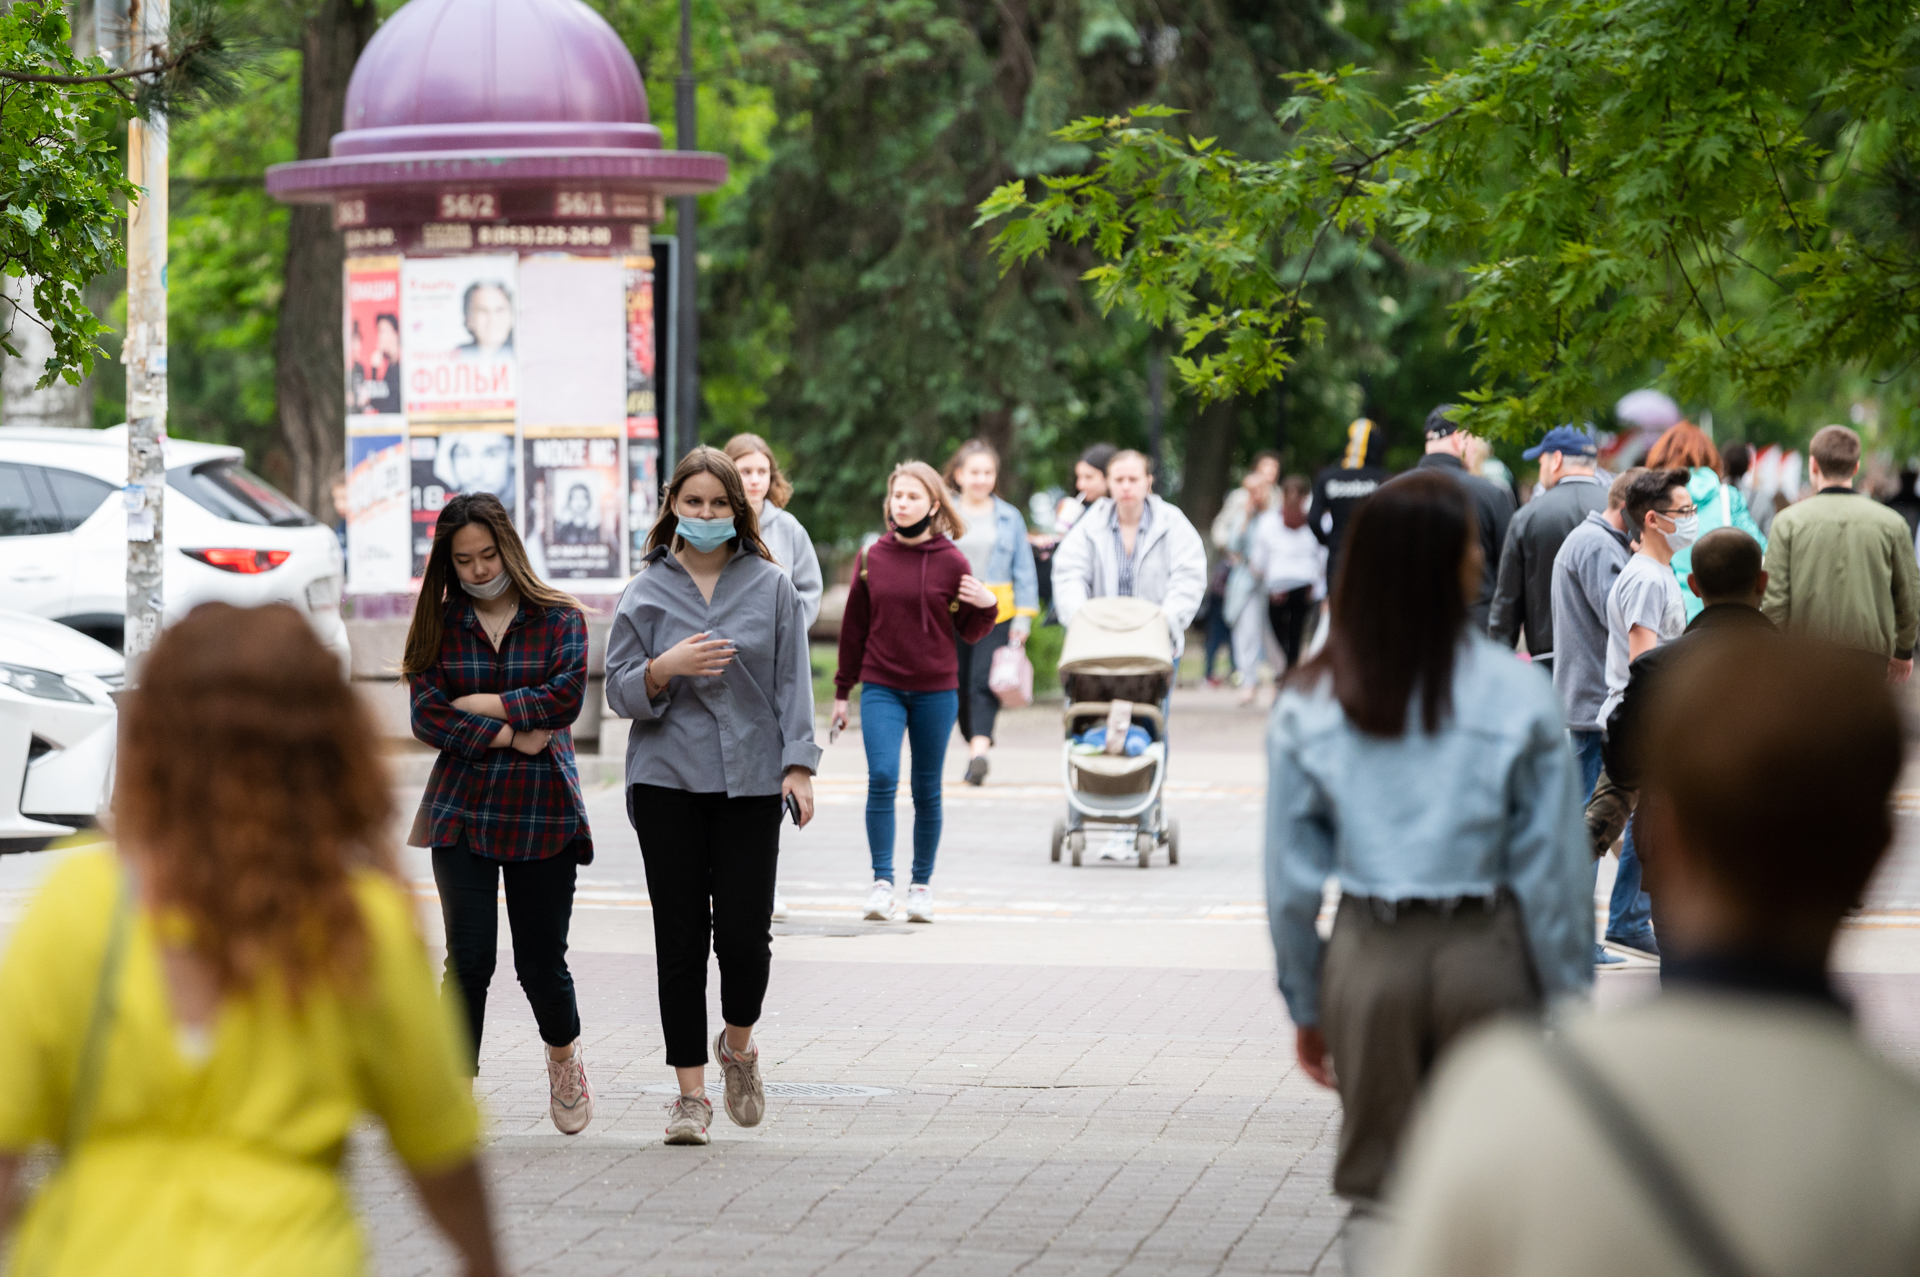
column 496, row 124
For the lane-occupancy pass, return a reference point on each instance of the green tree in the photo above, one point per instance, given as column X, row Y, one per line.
column 850, row 293
column 1716, row 192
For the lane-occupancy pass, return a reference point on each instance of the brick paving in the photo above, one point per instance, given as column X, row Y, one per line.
column 1045, row 1120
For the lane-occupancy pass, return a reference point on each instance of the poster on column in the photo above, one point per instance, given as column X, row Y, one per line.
column 449, row 460
column 642, row 407
column 459, row 317
column 572, row 405
column 378, row 560
column 573, row 506
column 374, row 367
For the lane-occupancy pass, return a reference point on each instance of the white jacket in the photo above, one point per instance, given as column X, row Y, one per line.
column 1170, row 566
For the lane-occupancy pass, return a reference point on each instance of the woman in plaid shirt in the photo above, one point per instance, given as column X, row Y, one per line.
column 497, row 659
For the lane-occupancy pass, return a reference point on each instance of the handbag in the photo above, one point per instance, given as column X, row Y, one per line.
column 1010, row 677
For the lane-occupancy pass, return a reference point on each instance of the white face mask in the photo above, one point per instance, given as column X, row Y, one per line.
column 491, row 590
column 1686, row 530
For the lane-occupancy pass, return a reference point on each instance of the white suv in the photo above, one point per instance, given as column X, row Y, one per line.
column 230, row 535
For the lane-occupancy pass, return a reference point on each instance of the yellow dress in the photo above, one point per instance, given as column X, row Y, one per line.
column 229, row 1165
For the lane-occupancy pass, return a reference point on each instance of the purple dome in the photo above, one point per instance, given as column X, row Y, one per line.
column 489, row 74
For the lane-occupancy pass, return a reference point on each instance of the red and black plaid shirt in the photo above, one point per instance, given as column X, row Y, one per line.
column 510, row 805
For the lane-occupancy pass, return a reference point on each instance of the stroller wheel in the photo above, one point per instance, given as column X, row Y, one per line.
column 1076, row 843
column 1143, row 848
column 1173, row 842
column 1059, row 838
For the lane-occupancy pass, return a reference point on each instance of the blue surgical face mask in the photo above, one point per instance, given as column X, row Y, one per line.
column 706, row 534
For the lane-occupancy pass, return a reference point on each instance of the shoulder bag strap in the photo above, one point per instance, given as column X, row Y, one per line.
column 106, row 1003
column 1659, row 1180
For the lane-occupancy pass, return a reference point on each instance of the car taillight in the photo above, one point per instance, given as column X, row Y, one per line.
column 247, row 562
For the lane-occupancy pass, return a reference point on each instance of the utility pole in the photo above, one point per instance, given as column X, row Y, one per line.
column 145, row 349
column 685, row 431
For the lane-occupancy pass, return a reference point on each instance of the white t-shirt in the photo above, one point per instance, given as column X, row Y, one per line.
column 1645, row 593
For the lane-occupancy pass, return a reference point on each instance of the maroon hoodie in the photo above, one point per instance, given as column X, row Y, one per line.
column 902, row 615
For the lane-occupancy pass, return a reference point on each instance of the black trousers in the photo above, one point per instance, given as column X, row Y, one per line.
column 539, row 912
column 710, row 871
column 1288, row 613
column 979, row 707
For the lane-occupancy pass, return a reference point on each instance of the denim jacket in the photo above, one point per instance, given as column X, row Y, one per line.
column 1490, row 801
column 1012, row 562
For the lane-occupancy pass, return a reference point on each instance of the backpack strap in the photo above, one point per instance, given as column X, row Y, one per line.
column 1658, row 1178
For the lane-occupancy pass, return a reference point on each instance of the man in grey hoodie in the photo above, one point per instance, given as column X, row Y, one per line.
column 1583, row 574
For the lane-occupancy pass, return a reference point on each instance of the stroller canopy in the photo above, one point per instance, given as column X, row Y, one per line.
column 1117, row 636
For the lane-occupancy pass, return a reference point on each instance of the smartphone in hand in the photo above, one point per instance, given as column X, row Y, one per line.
column 793, row 810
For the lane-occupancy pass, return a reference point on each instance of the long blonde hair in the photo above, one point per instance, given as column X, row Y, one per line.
column 779, row 487
column 439, row 582
column 946, row 519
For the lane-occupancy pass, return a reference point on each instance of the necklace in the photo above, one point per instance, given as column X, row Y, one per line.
column 495, row 635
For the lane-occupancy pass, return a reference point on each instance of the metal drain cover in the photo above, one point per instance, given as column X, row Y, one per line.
column 789, row 1090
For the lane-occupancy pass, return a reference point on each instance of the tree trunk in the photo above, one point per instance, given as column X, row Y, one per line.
column 309, row 354
column 1211, row 435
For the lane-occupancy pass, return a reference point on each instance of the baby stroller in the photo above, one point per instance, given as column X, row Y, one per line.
column 1115, row 667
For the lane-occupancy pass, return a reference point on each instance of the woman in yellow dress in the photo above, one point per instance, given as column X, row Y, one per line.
column 197, row 1020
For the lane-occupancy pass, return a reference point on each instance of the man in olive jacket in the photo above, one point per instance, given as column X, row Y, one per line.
column 1840, row 565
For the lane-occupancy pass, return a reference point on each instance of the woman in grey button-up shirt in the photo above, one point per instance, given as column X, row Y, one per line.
column 708, row 657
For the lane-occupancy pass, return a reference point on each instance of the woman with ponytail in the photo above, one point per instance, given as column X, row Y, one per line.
column 497, row 659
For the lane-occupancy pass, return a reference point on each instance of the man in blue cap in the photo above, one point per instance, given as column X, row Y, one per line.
column 1570, row 491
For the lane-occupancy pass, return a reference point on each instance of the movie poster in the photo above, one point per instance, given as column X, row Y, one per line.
column 377, row 514
column 573, row 507
column 451, row 460
column 458, row 322
column 642, row 407
column 374, row 368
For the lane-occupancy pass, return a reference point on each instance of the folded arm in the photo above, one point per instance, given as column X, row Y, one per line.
column 441, row 724
column 554, row 703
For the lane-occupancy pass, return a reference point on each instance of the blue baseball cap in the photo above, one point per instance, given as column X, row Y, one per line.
column 1571, row 440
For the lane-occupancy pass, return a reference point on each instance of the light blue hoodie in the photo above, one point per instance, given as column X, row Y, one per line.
column 1489, row 801
column 1721, row 506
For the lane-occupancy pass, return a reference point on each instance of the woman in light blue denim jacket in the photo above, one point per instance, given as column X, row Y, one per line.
column 1428, row 771
column 999, row 553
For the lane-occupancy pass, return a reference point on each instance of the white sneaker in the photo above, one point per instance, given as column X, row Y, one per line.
column 570, row 1099
column 779, row 907
column 919, row 903
column 880, row 901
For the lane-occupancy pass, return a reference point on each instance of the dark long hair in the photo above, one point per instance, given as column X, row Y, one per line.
column 439, row 582
column 1399, row 608
column 705, row 460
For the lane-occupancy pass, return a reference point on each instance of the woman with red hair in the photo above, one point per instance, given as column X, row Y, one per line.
column 1686, row 446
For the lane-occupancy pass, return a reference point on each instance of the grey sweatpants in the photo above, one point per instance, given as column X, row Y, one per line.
column 1394, row 994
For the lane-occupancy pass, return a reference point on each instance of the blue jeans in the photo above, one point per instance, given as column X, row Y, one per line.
column 1629, row 911
column 926, row 720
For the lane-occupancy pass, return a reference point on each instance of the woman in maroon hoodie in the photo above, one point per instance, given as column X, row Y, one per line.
column 911, row 594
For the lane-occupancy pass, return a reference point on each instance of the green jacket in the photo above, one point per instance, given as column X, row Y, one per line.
column 1840, row 567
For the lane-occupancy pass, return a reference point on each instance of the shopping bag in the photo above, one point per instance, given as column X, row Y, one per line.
column 1010, row 677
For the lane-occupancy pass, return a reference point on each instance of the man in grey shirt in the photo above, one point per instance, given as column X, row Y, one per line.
column 1584, row 571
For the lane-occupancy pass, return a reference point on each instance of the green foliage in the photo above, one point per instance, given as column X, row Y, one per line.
column 850, row 312
column 227, row 245
column 1713, row 190
column 60, row 175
